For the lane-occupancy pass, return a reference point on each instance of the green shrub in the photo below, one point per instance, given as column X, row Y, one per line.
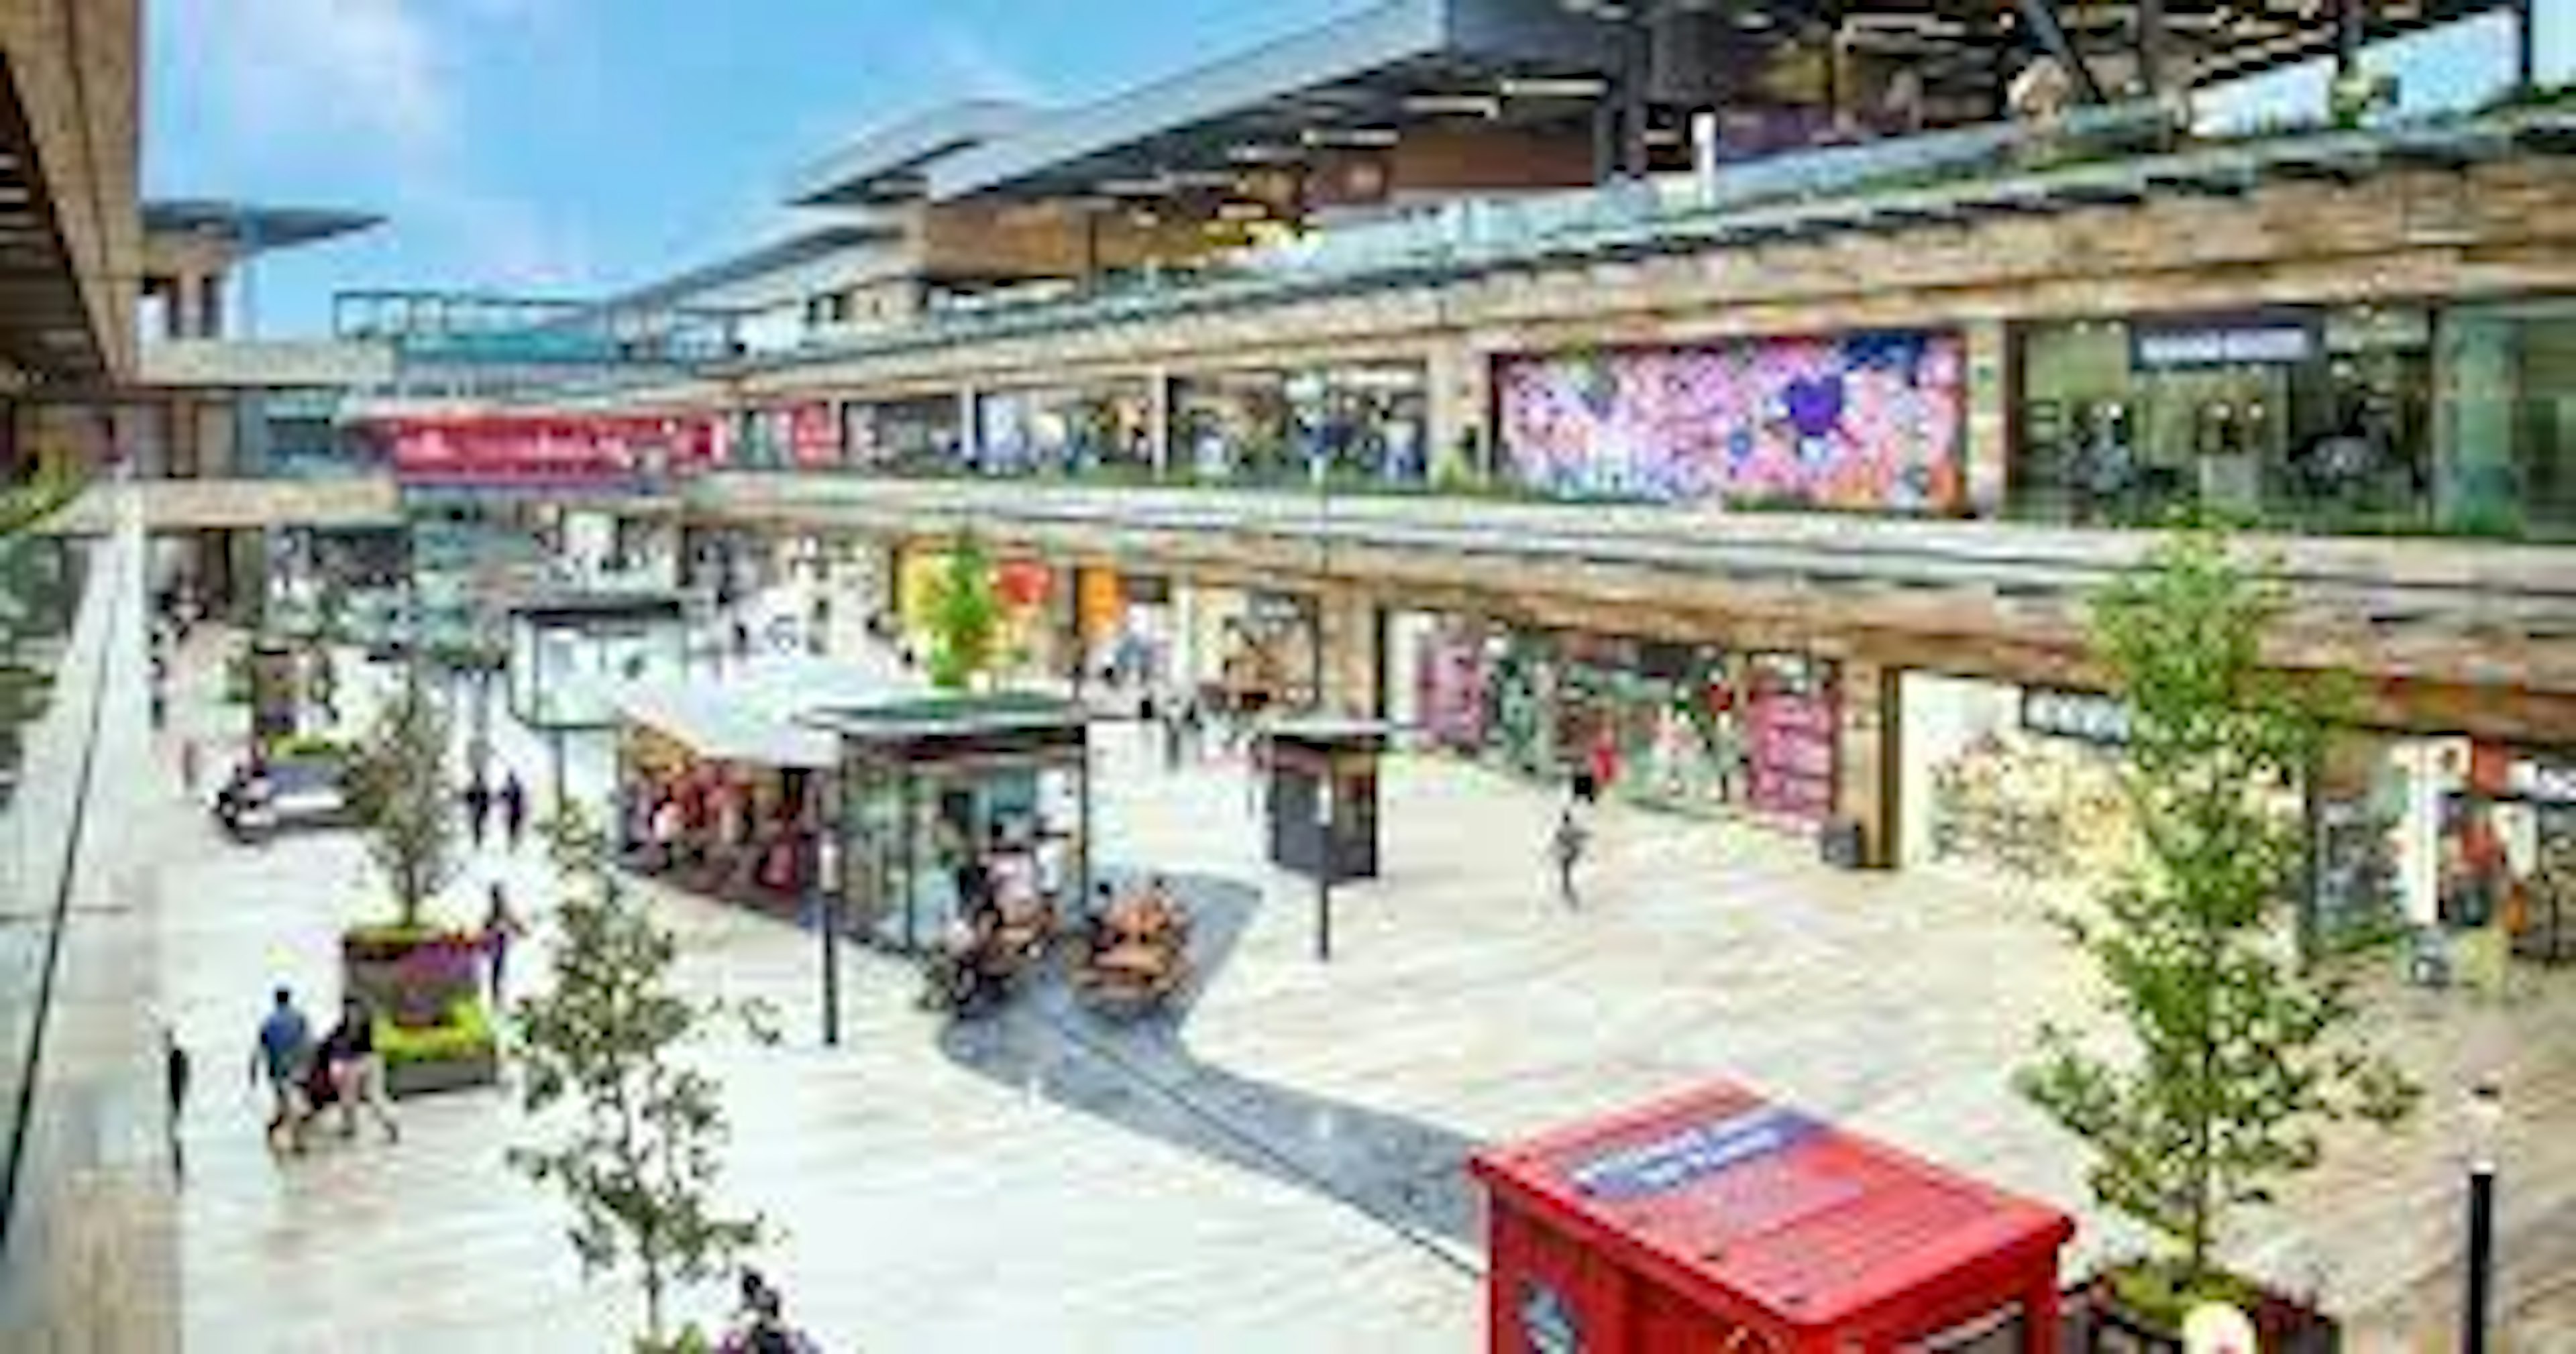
column 466, row 1033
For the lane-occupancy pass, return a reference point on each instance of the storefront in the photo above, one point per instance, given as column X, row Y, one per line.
column 2507, row 433
column 2020, row 781
column 1033, row 634
column 2301, row 415
column 1684, row 726
column 1869, row 421
column 1104, row 429
column 806, row 436
column 1358, row 423
column 2473, row 837
column 1251, row 649
column 926, row 435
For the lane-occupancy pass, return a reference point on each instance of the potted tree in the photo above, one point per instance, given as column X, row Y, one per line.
column 965, row 619
column 419, row 979
column 2233, row 1057
column 638, row 1164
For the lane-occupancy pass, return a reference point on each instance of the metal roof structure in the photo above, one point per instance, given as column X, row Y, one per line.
column 786, row 252
column 45, row 320
column 1338, row 75
column 1400, row 65
column 250, row 228
column 890, row 163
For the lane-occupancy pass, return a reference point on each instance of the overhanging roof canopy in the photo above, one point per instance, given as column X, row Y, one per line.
column 249, row 228
column 1362, row 64
column 889, row 164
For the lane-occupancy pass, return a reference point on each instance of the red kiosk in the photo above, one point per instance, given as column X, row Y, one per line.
column 1720, row 1221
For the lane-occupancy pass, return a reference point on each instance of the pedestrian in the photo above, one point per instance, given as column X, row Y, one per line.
column 514, row 807
column 356, row 1074
column 478, row 806
column 175, row 1072
column 500, row 927
column 189, row 765
column 1567, row 848
column 284, row 1046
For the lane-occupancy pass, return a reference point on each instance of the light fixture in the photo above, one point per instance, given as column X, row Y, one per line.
column 1242, row 211
column 1256, row 153
column 1131, row 187
column 1553, row 87
column 1467, row 105
column 1199, row 178
column 1351, row 136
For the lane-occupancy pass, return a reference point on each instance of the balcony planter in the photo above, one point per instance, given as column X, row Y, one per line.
column 422, row 984
column 2138, row 1308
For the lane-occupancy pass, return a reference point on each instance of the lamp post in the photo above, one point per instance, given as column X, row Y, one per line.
column 2485, row 1120
column 1324, row 863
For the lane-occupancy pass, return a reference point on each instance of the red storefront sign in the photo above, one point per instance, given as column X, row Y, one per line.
column 544, row 451
column 1792, row 745
column 813, row 435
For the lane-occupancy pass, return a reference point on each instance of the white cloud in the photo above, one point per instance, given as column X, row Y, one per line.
column 374, row 89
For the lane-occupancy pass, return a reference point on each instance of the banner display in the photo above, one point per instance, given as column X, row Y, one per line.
column 512, row 451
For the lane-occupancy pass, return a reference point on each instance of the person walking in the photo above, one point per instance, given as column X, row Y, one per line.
column 190, row 765
column 284, row 1045
column 348, row 1057
column 1567, row 849
column 501, row 926
column 478, row 807
column 514, row 808
column 175, row 1073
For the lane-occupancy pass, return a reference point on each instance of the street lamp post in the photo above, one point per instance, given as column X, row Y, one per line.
column 2485, row 1115
column 1324, row 866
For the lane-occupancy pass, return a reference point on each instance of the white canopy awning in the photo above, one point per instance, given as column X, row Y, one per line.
column 750, row 714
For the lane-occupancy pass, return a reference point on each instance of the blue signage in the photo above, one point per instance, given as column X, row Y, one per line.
column 1668, row 1163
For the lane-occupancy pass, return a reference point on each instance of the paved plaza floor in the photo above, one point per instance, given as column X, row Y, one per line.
column 1274, row 1167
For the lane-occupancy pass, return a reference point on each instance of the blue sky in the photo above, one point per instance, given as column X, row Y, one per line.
column 575, row 146
column 568, row 146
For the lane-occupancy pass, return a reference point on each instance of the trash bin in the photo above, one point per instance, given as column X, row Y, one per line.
column 1843, row 844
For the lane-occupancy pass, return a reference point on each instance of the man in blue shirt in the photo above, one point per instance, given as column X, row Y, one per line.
column 285, row 1043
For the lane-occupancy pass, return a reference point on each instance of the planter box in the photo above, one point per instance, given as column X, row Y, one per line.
column 2097, row 1321
column 405, row 1080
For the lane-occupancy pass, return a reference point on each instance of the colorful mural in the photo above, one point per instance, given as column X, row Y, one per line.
column 1857, row 421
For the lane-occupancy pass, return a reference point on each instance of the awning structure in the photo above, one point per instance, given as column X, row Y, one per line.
column 752, row 715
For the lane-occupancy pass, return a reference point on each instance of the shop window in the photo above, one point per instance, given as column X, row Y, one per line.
column 2508, row 462
column 2299, row 419
column 1096, row 431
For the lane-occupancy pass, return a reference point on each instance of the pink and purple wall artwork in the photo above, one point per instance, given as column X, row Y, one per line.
column 1858, row 421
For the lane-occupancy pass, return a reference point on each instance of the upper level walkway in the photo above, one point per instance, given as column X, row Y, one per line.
column 359, row 500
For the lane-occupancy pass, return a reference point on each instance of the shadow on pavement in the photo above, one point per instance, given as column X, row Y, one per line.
column 1140, row 1074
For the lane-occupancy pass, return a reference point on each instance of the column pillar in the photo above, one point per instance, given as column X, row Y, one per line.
column 2475, row 382
column 1868, row 752
column 1347, row 630
column 1158, row 420
column 970, row 437
column 1987, row 449
column 1459, row 393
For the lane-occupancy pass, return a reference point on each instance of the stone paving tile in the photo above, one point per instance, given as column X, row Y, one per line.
column 934, row 1205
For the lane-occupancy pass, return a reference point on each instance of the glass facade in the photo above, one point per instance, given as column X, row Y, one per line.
column 1361, row 423
column 1058, row 431
column 2507, row 433
column 2300, row 419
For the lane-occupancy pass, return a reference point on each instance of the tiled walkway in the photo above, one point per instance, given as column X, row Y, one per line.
column 986, row 1188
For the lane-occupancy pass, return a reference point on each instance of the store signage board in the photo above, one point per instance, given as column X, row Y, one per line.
column 2085, row 716
column 2279, row 340
column 1681, row 1159
column 2544, row 782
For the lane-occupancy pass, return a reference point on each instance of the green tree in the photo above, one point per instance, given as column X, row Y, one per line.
column 965, row 618
column 639, row 1163
column 2234, row 1059
column 397, row 787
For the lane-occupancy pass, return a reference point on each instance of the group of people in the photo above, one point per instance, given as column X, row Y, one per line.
column 1005, row 910
column 306, row 1078
column 487, row 807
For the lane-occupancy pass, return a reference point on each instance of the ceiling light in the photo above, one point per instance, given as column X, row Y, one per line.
column 1130, row 187
column 1468, row 105
column 1256, row 154
column 1243, row 211
column 1554, row 87
column 1351, row 136
column 1199, row 178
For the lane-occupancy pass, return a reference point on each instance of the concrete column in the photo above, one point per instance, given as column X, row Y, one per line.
column 1158, row 420
column 1460, row 395
column 1869, row 747
column 970, row 438
column 1987, row 437
column 1348, row 632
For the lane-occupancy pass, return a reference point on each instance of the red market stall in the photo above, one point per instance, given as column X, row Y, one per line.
column 1721, row 1221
